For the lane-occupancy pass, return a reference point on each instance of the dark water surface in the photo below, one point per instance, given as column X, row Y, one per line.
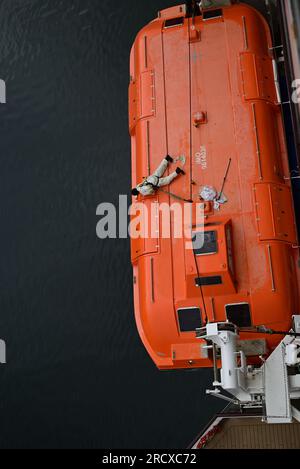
column 77, row 373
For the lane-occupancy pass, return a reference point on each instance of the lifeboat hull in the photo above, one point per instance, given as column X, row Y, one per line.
column 204, row 89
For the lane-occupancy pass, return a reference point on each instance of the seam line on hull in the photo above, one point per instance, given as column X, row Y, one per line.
column 146, row 52
column 152, row 279
column 148, row 147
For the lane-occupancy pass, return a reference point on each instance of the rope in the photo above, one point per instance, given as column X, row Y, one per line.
column 270, row 331
column 190, row 201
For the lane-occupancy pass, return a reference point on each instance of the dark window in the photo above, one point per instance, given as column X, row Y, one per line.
column 174, row 22
column 205, row 243
column 239, row 314
column 189, row 319
column 205, row 281
column 210, row 14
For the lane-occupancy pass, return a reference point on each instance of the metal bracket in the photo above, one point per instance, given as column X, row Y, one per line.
column 217, row 393
column 269, row 386
column 296, row 322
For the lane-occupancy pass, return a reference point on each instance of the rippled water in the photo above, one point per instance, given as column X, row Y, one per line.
column 77, row 374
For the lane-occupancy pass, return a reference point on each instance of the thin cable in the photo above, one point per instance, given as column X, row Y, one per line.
column 270, row 332
column 190, row 201
column 201, row 290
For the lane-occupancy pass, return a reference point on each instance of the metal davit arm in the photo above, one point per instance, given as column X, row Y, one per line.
column 272, row 387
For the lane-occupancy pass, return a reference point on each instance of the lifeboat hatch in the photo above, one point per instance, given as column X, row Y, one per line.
column 145, row 242
column 261, row 67
column 274, row 210
column 189, row 319
column 142, row 99
column 239, row 314
column 213, row 258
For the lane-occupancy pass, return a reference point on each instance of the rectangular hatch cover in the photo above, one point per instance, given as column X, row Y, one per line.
column 275, row 214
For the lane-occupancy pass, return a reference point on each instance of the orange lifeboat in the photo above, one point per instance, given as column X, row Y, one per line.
column 203, row 87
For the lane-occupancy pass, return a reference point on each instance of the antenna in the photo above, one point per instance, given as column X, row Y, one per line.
column 224, row 180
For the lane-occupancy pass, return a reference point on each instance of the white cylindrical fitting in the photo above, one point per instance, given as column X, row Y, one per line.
column 228, row 355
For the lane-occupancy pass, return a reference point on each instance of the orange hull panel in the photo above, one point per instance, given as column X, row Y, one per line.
column 221, row 67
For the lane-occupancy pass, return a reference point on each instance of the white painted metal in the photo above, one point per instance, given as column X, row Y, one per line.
column 276, row 81
column 277, row 398
column 291, row 354
column 226, row 340
column 296, row 320
column 268, row 386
